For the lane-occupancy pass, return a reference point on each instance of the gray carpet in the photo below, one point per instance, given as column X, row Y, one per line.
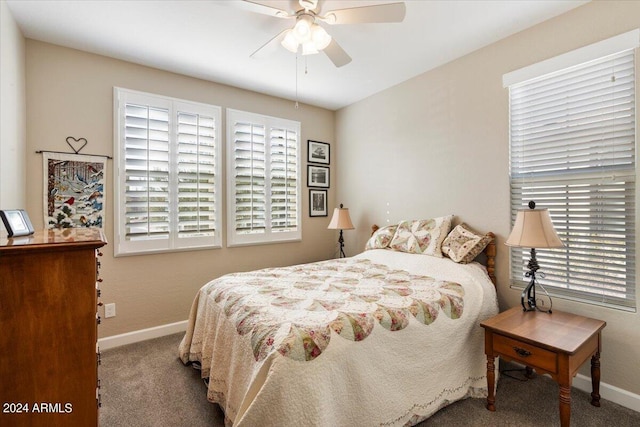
column 144, row 384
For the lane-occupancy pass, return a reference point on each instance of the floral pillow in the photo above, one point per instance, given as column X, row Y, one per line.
column 462, row 245
column 381, row 238
column 423, row 236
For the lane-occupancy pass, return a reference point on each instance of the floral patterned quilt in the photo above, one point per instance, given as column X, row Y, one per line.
column 293, row 345
column 293, row 310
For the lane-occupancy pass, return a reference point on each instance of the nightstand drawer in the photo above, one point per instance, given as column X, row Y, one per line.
column 528, row 354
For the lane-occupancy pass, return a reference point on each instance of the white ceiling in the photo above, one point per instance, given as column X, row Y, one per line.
column 212, row 40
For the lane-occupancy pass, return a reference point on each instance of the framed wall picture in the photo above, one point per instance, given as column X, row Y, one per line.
column 16, row 222
column 317, row 202
column 317, row 176
column 318, row 152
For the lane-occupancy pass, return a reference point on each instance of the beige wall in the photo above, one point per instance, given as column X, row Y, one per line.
column 438, row 144
column 70, row 93
column 12, row 112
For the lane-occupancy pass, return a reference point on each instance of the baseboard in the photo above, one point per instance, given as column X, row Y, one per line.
column 142, row 335
column 609, row 392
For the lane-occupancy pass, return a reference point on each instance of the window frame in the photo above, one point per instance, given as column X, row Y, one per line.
column 624, row 175
column 268, row 237
column 173, row 243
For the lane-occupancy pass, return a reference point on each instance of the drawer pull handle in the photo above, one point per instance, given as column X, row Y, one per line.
column 522, row 352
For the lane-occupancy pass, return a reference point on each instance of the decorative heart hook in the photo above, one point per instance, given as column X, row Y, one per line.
column 73, row 143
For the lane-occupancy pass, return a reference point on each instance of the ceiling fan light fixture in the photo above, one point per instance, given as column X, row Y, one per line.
column 309, row 48
column 302, row 29
column 307, row 36
column 290, row 42
column 320, row 37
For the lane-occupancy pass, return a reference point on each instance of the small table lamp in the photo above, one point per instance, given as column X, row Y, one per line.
column 341, row 221
column 533, row 229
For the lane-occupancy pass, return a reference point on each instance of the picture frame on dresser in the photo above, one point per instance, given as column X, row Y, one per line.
column 317, row 176
column 318, row 152
column 317, row 203
column 17, row 222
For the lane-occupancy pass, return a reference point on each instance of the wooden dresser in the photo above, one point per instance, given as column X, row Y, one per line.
column 48, row 328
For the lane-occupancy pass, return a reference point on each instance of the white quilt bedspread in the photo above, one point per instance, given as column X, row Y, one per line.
column 391, row 359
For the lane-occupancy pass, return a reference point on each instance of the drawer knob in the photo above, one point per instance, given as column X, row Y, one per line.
column 522, row 352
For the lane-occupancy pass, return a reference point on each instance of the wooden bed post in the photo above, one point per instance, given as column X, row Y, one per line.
column 490, row 252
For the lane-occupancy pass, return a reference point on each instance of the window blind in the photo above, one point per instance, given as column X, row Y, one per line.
column 264, row 156
column 167, row 183
column 572, row 151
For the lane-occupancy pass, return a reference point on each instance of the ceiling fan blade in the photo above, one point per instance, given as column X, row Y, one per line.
column 336, row 54
column 390, row 12
column 256, row 7
column 269, row 47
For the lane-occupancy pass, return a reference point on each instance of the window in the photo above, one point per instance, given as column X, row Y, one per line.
column 572, row 140
column 167, row 174
column 263, row 179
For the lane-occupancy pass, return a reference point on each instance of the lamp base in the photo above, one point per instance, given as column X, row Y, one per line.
column 530, row 291
column 528, row 298
column 341, row 243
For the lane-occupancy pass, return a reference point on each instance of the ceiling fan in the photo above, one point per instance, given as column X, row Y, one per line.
column 308, row 37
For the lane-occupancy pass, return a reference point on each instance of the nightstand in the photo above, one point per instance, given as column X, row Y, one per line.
column 556, row 344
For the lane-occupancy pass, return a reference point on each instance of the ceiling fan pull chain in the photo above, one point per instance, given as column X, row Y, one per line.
column 296, row 104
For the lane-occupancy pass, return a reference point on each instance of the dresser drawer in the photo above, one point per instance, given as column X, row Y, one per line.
column 527, row 354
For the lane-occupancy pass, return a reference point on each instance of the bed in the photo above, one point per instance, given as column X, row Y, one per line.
column 384, row 338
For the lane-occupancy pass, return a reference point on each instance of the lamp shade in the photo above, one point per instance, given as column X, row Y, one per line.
column 319, row 37
column 341, row 220
column 309, row 48
column 533, row 229
column 302, row 29
column 290, row 42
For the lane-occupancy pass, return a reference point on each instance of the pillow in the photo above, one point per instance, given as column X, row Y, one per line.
column 381, row 238
column 462, row 245
column 423, row 236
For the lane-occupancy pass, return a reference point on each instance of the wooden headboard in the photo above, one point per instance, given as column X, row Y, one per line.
column 489, row 252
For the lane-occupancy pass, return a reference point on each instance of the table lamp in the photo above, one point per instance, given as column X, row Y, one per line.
column 341, row 221
column 533, row 229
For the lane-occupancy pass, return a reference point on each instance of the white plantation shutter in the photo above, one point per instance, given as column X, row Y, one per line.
column 146, row 172
column 249, row 153
column 196, row 173
column 573, row 152
column 284, row 179
column 264, row 182
column 167, row 174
